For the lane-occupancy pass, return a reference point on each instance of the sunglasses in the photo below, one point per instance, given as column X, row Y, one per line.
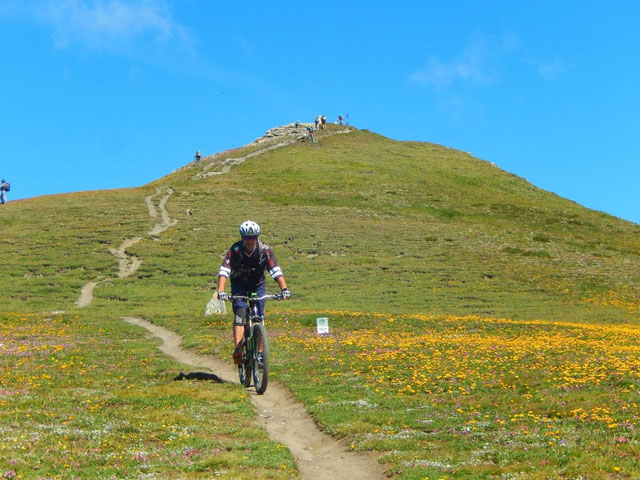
column 254, row 237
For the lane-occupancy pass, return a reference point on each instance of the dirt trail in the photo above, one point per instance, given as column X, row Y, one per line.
column 164, row 214
column 226, row 164
column 86, row 294
column 128, row 264
column 318, row 455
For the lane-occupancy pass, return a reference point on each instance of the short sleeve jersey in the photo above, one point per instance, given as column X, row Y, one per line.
column 248, row 269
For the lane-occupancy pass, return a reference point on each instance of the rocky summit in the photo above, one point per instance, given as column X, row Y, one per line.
column 283, row 132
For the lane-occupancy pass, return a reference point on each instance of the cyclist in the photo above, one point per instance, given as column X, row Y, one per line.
column 245, row 263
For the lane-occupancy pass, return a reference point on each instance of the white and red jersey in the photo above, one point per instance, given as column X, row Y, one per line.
column 248, row 269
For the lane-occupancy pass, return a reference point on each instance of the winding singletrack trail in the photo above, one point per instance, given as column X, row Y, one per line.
column 318, row 455
column 224, row 166
column 128, row 264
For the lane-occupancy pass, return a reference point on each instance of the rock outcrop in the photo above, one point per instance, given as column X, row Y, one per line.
column 284, row 132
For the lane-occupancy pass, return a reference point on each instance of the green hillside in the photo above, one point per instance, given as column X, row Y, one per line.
column 358, row 221
column 388, row 239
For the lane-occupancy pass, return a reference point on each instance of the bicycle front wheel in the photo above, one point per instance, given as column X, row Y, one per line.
column 261, row 360
column 245, row 368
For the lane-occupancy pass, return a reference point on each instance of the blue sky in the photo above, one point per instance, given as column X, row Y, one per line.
column 102, row 94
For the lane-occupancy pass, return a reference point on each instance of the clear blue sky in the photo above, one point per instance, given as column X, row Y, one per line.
column 102, row 94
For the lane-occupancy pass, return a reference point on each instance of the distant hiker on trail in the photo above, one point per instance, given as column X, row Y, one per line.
column 297, row 123
column 340, row 119
column 310, row 132
column 4, row 188
column 245, row 264
column 324, row 122
column 197, row 156
column 317, row 122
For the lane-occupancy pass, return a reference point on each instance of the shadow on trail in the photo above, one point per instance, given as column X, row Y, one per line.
column 200, row 376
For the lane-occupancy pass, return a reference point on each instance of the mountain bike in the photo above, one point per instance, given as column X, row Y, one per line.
column 255, row 345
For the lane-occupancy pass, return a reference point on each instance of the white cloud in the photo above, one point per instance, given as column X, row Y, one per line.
column 442, row 74
column 104, row 24
column 479, row 63
column 485, row 61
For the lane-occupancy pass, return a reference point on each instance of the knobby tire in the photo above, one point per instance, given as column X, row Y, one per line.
column 245, row 368
column 261, row 375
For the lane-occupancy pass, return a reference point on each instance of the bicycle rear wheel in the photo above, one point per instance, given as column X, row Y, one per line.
column 260, row 368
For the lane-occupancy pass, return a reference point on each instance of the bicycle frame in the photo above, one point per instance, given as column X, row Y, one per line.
column 256, row 351
column 252, row 312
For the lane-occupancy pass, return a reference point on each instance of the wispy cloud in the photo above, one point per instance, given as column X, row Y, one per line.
column 549, row 70
column 103, row 24
column 486, row 60
column 479, row 63
column 441, row 74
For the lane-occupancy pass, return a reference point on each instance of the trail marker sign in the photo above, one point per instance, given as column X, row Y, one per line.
column 322, row 326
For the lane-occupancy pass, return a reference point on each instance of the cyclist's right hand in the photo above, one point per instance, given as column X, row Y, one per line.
column 223, row 296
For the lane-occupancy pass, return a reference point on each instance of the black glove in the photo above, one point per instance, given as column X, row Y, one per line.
column 223, row 296
column 286, row 294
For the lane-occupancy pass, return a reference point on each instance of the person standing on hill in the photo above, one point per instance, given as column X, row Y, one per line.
column 4, row 188
column 245, row 264
column 197, row 156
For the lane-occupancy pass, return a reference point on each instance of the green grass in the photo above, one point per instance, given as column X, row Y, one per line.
column 458, row 252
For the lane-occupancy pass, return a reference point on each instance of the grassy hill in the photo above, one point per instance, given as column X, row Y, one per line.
column 359, row 222
column 446, row 280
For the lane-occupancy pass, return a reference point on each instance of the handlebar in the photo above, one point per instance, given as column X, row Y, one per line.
column 264, row 297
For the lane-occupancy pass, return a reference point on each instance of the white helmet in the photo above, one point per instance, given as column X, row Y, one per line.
column 249, row 229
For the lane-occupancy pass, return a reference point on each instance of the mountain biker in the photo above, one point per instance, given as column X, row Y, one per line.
column 245, row 263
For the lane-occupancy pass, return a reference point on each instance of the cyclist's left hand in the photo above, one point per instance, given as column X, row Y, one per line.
column 286, row 294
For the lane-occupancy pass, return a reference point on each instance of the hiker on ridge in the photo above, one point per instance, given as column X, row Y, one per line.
column 245, row 263
column 4, row 188
column 310, row 132
column 324, row 122
column 197, row 156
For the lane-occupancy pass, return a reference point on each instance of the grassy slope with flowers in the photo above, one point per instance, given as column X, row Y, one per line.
column 481, row 327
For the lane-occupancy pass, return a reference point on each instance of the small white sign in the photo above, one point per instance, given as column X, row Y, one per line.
column 323, row 325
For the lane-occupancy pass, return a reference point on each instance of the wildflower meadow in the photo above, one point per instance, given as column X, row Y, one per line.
column 470, row 396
